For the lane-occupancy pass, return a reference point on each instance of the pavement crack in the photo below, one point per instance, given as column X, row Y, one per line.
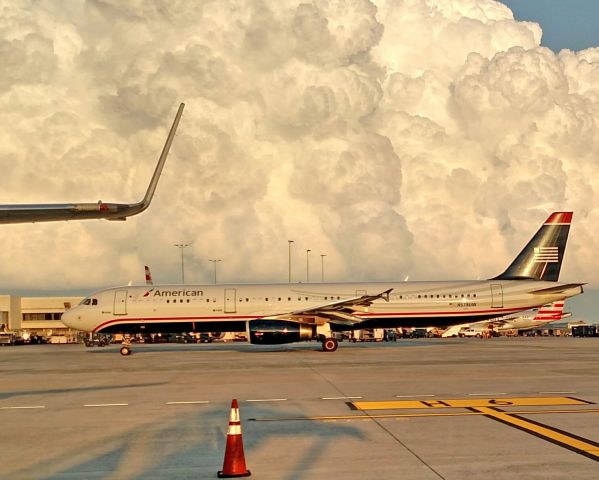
column 394, row 437
column 379, row 424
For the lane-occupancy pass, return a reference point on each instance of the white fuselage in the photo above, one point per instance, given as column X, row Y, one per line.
column 229, row 307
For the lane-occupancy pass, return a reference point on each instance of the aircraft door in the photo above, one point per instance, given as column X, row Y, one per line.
column 496, row 296
column 230, row 300
column 120, row 302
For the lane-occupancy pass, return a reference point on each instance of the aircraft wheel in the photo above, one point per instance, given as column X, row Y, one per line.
column 329, row 345
column 125, row 351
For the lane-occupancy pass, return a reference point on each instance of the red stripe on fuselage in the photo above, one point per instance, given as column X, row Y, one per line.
column 173, row 319
column 500, row 312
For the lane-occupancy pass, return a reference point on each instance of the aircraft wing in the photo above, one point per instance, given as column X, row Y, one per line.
column 25, row 213
column 341, row 312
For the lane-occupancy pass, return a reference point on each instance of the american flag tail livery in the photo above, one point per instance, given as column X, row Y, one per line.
column 541, row 258
column 550, row 312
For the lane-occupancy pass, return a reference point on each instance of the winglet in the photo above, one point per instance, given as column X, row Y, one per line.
column 161, row 161
column 385, row 295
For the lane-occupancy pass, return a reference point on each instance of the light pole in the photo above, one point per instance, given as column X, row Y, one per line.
column 322, row 255
column 308, row 265
column 214, row 262
column 182, row 246
column 289, row 242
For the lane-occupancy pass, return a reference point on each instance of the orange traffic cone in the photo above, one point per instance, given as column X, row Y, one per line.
column 234, row 464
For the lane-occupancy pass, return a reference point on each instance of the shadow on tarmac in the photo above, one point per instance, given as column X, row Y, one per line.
column 6, row 395
column 252, row 349
column 189, row 445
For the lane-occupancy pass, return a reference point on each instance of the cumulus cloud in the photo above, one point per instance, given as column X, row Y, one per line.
column 427, row 138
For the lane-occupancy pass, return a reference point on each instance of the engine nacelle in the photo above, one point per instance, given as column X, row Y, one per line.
column 275, row 332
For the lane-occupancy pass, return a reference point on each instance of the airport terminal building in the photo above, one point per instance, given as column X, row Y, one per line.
column 37, row 315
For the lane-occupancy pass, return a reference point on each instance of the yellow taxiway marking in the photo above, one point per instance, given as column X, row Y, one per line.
column 416, row 415
column 469, row 403
column 488, row 407
column 578, row 444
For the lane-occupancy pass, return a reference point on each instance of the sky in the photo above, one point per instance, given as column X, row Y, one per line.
column 570, row 24
column 426, row 139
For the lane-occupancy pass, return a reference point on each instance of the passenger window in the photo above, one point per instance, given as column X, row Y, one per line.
column 279, row 299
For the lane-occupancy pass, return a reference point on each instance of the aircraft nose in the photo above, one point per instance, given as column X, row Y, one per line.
column 69, row 318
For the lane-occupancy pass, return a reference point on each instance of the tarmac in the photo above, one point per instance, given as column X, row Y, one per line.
column 501, row 408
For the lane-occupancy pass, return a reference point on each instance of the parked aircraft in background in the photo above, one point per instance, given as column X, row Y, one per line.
column 26, row 213
column 546, row 314
column 286, row 313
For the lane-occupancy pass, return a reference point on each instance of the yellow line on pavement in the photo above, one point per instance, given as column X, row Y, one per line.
column 468, row 403
column 578, row 444
column 416, row 415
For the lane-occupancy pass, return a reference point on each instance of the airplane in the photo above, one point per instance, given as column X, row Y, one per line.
column 25, row 213
column 549, row 313
column 292, row 312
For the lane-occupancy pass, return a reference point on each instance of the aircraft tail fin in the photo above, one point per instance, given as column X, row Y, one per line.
column 541, row 258
column 149, row 280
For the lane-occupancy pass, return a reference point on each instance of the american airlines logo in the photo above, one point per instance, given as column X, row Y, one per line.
column 176, row 293
column 545, row 255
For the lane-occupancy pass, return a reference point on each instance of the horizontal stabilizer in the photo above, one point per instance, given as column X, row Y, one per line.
column 558, row 289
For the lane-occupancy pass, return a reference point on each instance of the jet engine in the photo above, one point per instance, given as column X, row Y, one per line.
column 275, row 332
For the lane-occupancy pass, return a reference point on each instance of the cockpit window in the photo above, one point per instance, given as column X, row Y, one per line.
column 86, row 301
column 94, row 301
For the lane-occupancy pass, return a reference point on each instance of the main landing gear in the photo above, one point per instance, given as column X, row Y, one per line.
column 126, row 348
column 329, row 345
